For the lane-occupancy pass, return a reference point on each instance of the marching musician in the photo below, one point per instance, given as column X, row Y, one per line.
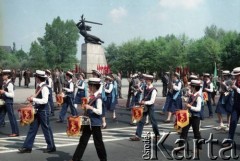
column 149, row 100
column 94, row 112
column 7, row 93
column 208, row 87
column 81, row 92
column 49, row 83
column 41, row 117
column 236, row 104
column 224, row 105
column 175, row 102
column 68, row 100
column 138, row 96
column 194, row 106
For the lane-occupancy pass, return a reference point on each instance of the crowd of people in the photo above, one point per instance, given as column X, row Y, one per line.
column 104, row 91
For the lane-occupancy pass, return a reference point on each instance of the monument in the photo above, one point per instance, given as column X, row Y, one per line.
column 92, row 51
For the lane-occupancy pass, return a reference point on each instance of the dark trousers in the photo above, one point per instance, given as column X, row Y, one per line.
column 98, row 142
column 68, row 101
column 209, row 104
column 164, row 91
column 120, row 92
column 153, row 121
column 50, row 101
column 8, row 108
column 194, row 122
column 41, row 118
column 233, row 123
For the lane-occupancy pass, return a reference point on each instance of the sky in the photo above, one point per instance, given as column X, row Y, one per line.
column 23, row 21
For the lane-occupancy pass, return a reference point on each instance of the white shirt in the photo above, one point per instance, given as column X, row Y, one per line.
column 10, row 87
column 70, row 89
column 153, row 96
column 45, row 93
column 211, row 88
column 178, row 87
column 98, row 110
column 199, row 103
column 50, row 82
column 109, row 90
column 82, row 86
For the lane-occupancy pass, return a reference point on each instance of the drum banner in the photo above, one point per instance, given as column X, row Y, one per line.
column 182, row 118
column 59, row 99
column 74, row 126
column 26, row 115
column 205, row 96
column 137, row 113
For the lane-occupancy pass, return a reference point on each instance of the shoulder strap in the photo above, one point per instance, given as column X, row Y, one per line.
column 194, row 99
column 148, row 93
column 94, row 99
column 35, row 95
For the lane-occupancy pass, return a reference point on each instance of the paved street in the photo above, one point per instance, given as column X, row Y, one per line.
column 116, row 136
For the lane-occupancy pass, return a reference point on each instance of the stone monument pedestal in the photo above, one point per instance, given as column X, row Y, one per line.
column 92, row 56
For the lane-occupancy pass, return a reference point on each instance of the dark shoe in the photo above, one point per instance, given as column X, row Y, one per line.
column 3, row 124
column 24, row 150
column 13, row 135
column 134, row 138
column 146, row 123
column 59, row 121
column 49, row 150
column 132, row 124
column 167, row 121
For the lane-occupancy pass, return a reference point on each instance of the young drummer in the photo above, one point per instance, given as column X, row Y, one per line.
column 194, row 107
column 94, row 111
column 148, row 100
column 8, row 94
column 41, row 117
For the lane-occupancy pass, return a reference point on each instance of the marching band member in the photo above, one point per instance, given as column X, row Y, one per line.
column 138, row 96
column 224, row 105
column 194, row 106
column 41, row 117
column 49, row 83
column 176, row 100
column 94, row 112
column 208, row 87
column 108, row 88
column 101, row 90
column 68, row 100
column 81, row 92
column 236, row 104
column 7, row 93
column 149, row 100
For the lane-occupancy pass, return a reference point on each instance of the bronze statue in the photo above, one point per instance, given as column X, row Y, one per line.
column 83, row 31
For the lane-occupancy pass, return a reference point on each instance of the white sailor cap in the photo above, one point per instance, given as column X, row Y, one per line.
column 94, row 81
column 68, row 73
column 40, row 73
column 6, row 71
column 226, row 72
column 96, row 73
column 147, row 76
column 206, row 75
column 48, row 71
column 196, row 83
column 193, row 76
column 134, row 75
column 236, row 71
column 82, row 74
column 177, row 74
column 108, row 77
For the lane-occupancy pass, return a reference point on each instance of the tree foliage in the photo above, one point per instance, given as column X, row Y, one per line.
column 164, row 53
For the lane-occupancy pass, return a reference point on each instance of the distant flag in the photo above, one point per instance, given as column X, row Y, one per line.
column 215, row 76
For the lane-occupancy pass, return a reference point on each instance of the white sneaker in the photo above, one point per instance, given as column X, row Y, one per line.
column 226, row 128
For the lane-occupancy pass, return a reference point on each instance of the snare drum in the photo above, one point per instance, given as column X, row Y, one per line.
column 75, row 123
column 26, row 114
column 60, row 98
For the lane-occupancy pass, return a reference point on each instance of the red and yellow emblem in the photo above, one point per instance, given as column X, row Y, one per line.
column 74, row 126
column 182, row 118
column 137, row 113
column 26, row 115
column 205, row 96
column 84, row 102
column 59, row 99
